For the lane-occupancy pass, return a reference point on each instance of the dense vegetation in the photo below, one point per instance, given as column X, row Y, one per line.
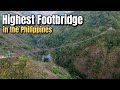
column 96, row 58
column 23, row 67
column 84, row 58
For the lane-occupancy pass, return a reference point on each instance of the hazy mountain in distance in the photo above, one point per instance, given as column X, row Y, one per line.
column 49, row 12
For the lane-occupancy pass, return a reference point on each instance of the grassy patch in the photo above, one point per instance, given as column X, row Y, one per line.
column 116, row 75
column 117, row 65
column 60, row 73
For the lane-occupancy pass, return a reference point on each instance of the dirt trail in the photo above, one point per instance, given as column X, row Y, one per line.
column 1, row 57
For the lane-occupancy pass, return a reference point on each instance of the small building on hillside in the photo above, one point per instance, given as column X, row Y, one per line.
column 47, row 58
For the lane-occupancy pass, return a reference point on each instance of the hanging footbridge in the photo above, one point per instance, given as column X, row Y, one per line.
column 52, row 49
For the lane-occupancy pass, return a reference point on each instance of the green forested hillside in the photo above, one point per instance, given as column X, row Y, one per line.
column 23, row 67
column 95, row 58
column 90, row 51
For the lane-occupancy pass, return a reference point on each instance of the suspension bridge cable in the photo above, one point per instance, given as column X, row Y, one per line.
column 62, row 46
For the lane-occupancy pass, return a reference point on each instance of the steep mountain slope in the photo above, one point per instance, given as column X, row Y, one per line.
column 15, row 42
column 95, row 58
column 88, row 51
column 23, row 67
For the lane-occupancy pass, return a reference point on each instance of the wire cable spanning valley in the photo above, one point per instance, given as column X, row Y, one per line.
column 62, row 46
